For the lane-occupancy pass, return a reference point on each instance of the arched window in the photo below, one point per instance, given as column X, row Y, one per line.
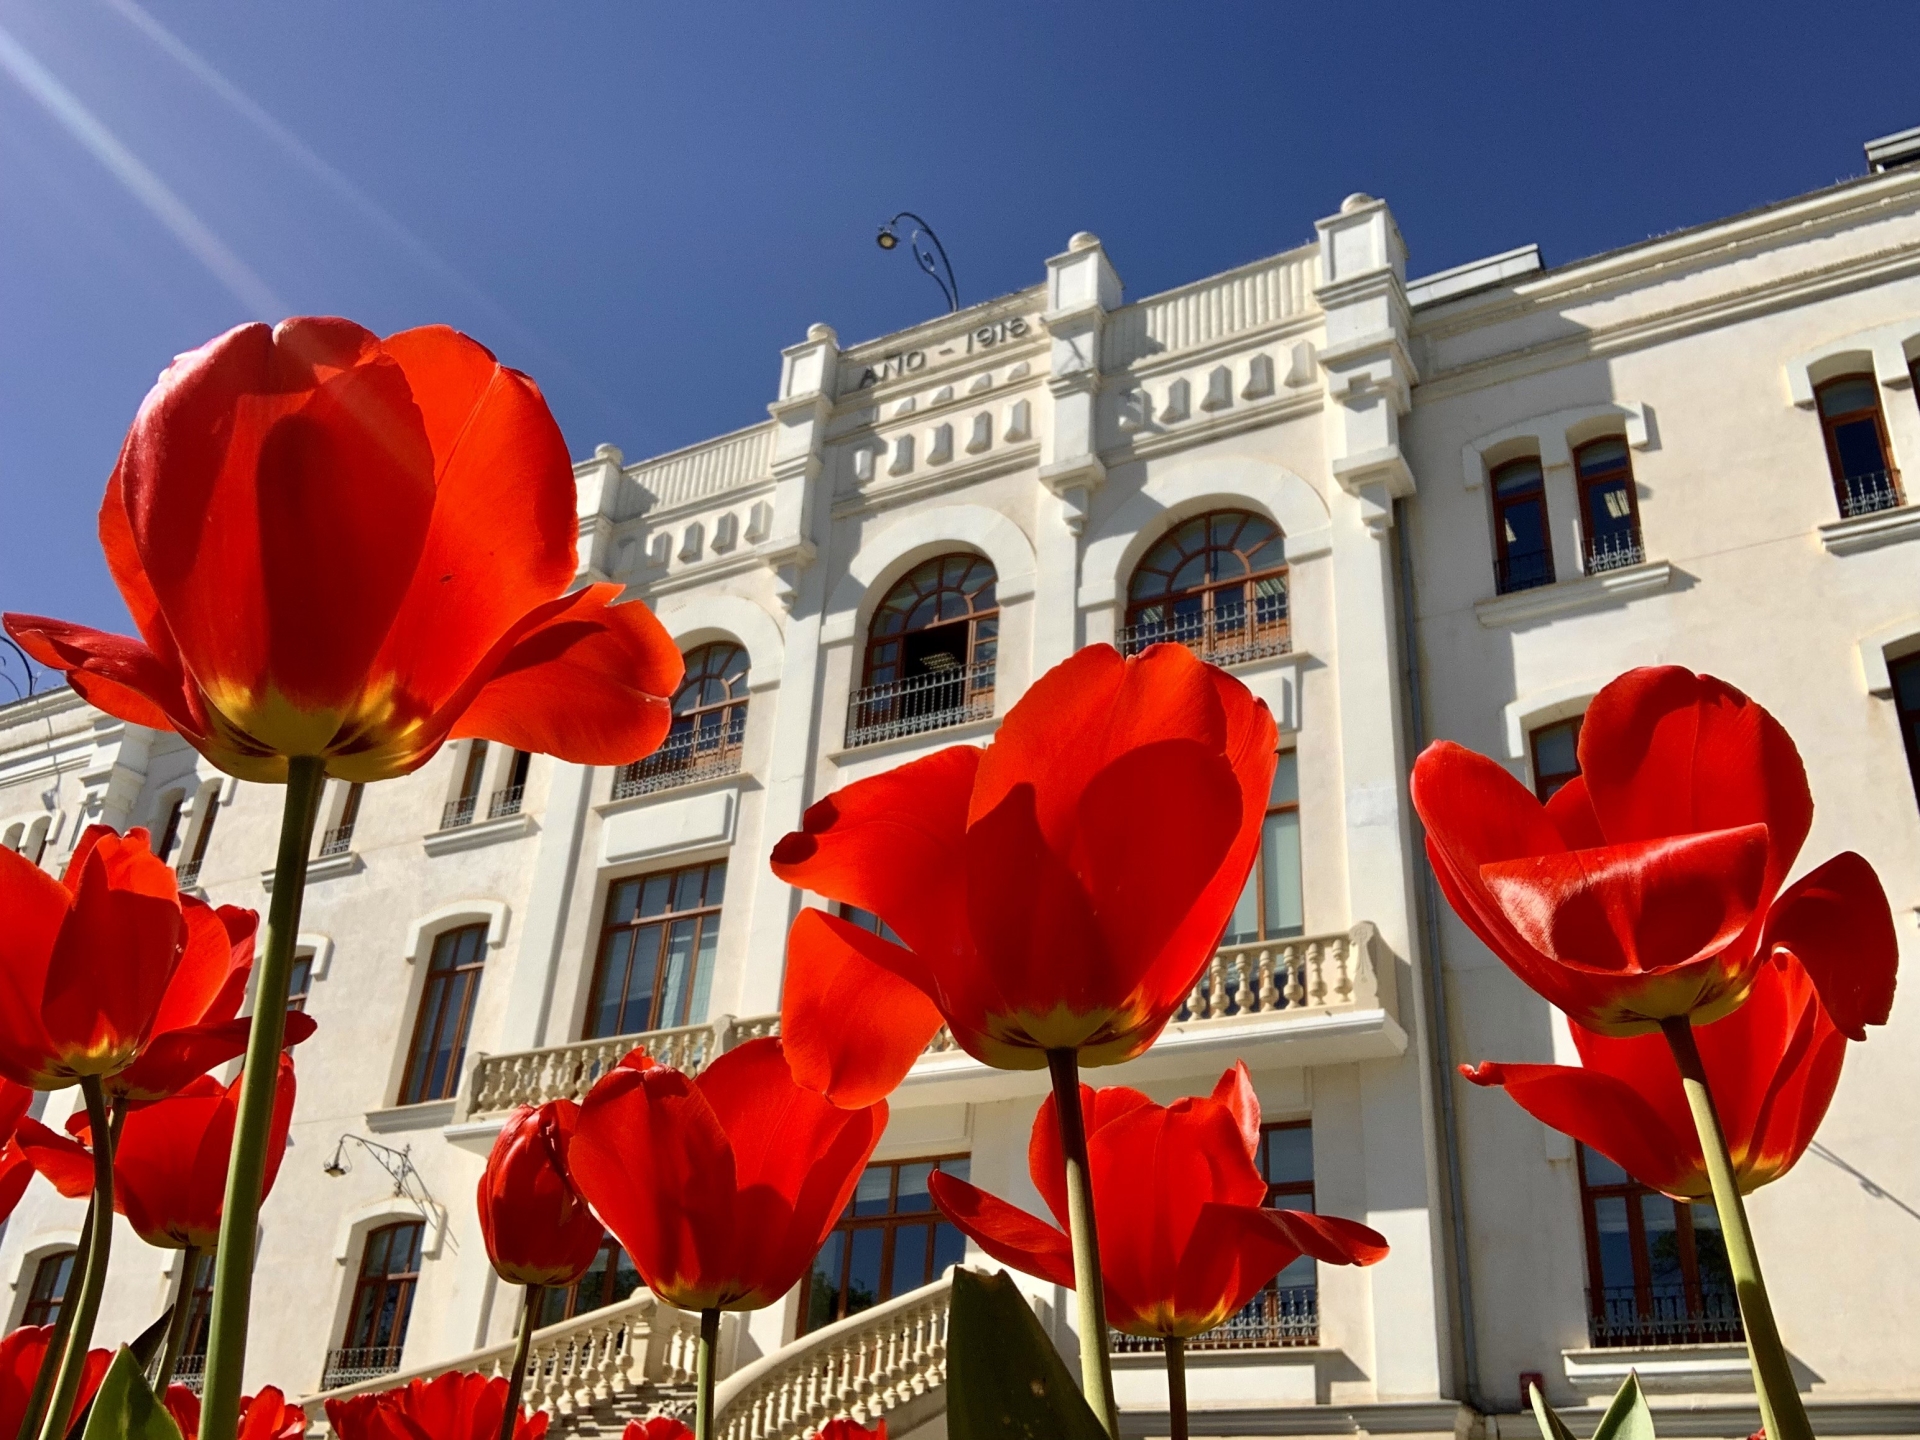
column 1857, row 452
column 709, row 722
column 930, row 652
column 49, row 1290
column 446, row 1014
column 1216, row 584
column 206, row 811
column 1522, row 557
column 1609, row 510
column 611, row 1278
column 382, row 1305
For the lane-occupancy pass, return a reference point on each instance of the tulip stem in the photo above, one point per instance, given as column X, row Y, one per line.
column 1176, row 1388
column 703, row 1376
column 517, row 1381
column 1096, row 1373
column 57, row 1342
column 246, row 1171
column 177, row 1321
column 1781, row 1413
column 86, row 1307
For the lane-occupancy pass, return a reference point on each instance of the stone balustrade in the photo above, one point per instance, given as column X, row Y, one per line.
column 591, row 1359
column 868, row 1365
column 1319, row 972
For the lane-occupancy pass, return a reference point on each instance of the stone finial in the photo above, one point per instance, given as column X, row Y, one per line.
column 822, row 332
column 1355, row 201
column 1083, row 240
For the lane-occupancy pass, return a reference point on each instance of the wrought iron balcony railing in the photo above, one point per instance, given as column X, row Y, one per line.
column 1708, row 1314
column 1522, row 570
column 349, row 1366
column 685, row 758
column 1865, row 494
column 336, row 841
column 505, row 802
column 1279, row 1316
column 186, row 876
column 190, row 1371
column 458, row 812
column 1229, row 637
column 1614, row 552
column 934, row 701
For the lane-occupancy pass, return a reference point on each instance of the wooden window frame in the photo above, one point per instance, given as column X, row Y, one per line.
column 608, row 1278
column 299, row 981
column 1632, row 1193
column 434, row 1006
column 44, row 1309
column 1540, row 777
column 1830, row 424
column 170, row 832
column 889, row 1224
column 1502, row 556
column 1168, row 556
column 1588, row 483
column 196, row 1290
column 702, row 914
column 1258, row 875
column 365, row 1283
column 684, row 750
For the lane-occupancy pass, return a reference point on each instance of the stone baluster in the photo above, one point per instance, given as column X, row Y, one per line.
column 1343, row 975
column 1268, row 996
column 1244, row 999
column 1217, row 988
column 1296, row 972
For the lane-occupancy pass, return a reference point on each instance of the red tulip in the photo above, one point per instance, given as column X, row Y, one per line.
column 170, row 1167
column 85, row 961
column 1058, row 890
column 1185, row 1238
column 266, row 1416
column 458, row 1405
column 357, row 548
column 1772, row 1066
column 20, row 1355
column 15, row 1168
column 844, row 1429
column 721, row 1188
column 657, row 1427
column 1645, row 889
column 538, row 1229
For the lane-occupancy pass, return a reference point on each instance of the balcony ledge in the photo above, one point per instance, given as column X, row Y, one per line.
column 733, row 779
column 1585, row 592
column 1431, row 1418
column 327, row 869
column 427, row 1115
column 962, row 734
column 1597, row 1372
column 480, row 832
column 1870, row 532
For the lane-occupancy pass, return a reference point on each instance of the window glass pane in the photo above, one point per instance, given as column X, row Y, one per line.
column 1280, row 870
column 1616, row 1246
column 716, row 881
column 1244, row 925
column 1906, row 681
column 1662, row 1227
column 703, row 970
column 912, row 1196
column 1842, row 397
column 911, row 1246
column 875, row 1190
column 863, row 1268
column 653, row 897
column 1601, row 1170
column 1286, row 780
column 1524, row 526
column 686, row 889
column 1516, row 478
column 1858, row 444
column 636, row 1010
column 1290, row 1158
column 823, row 1287
column 623, row 902
column 1602, row 456
column 1710, row 1256
column 949, row 1248
column 673, row 992
column 1555, row 750
column 1301, row 1272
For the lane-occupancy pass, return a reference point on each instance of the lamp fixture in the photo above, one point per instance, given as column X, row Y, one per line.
column 889, row 239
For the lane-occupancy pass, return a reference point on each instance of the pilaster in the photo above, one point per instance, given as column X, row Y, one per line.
column 596, row 485
column 807, row 376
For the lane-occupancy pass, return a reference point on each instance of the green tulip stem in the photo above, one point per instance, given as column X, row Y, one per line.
column 517, row 1381
column 1176, row 1388
column 246, row 1171
column 1096, row 1373
column 57, row 1342
column 703, row 1376
column 177, row 1321
column 1781, row 1412
column 86, row 1307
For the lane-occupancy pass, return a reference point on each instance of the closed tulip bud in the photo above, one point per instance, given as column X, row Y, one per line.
column 538, row 1228
column 459, row 1405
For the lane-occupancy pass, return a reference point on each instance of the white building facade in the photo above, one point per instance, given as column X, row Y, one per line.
column 1396, row 511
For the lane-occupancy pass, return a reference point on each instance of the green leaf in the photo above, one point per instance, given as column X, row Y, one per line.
column 146, row 1351
column 1552, row 1427
column 1627, row 1418
column 1005, row 1381
column 124, row 1407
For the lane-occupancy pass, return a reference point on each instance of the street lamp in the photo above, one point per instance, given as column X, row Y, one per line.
column 889, row 239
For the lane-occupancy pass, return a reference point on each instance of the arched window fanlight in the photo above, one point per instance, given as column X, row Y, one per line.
column 1216, row 584
column 931, row 649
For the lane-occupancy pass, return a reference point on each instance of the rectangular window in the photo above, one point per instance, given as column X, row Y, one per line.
column 382, row 1305
column 1556, row 756
column 1857, row 452
column 892, row 1239
column 1271, row 908
column 188, row 875
column 1905, row 674
column 509, row 797
column 300, row 980
column 610, row 1279
column 1522, row 557
column 446, row 1013
column 197, row 1295
column 339, row 839
column 170, row 832
column 1609, row 508
column 657, row 948
column 459, row 810
column 49, row 1290
column 1657, row 1269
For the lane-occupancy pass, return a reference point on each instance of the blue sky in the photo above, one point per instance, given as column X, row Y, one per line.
column 641, row 203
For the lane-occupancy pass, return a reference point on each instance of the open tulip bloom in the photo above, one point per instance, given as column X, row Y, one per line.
column 458, row 1405
column 266, row 1416
column 1186, row 1240
column 23, row 1354
column 1649, row 893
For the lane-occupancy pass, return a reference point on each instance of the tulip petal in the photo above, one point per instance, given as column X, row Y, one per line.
column 1666, row 752
column 15, row 1171
column 1231, row 1254
column 15, row 1101
column 1605, row 1114
column 1046, row 1159
column 1330, row 1239
column 583, row 678
column 855, row 1012
column 1570, row 809
column 797, row 1158
column 1006, row 1232
column 1235, row 1091
column 116, row 673
column 893, row 845
column 35, row 906
column 656, row 1165
column 65, row 1162
column 1835, row 921
column 219, row 943
column 113, row 958
column 1650, row 906
column 176, row 1057
column 503, row 533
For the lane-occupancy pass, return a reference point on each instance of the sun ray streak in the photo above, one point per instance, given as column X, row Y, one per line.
column 146, row 187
